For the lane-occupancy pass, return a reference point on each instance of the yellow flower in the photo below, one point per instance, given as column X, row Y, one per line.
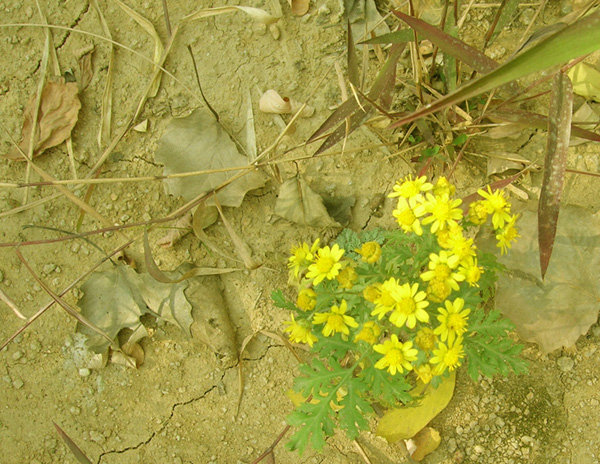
column 335, row 320
column 508, row 234
column 300, row 331
column 424, row 373
column 326, row 265
column 438, row 290
column 407, row 213
column 307, row 299
column 372, row 292
column 443, row 186
column 301, row 257
column 459, row 245
column 370, row 252
column 397, row 356
column 409, row 188
column 409, row 307
column 386, row 300
column 369, row 333
column 447, row 356
column 444, row 212
column 426, row 339
column 471, row 271
column 497, row 205
column 346, row 277
column 453, row 320
column 441, row 267
column 478, row 212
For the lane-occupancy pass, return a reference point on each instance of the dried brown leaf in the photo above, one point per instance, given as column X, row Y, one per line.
column 57, row 116
column 86, row 73
column 559, row 132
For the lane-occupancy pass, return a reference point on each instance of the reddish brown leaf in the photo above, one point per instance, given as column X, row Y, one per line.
column 59, row 108
column 457, row 48
column 559, row 132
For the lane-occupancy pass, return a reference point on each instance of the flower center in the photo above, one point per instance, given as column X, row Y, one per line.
column 325, row 264
column 455, row 322
column 406, row 217
column 451, row 358
column 442, row 271
column 406, row 306
column 395, row 357
column 336, row 322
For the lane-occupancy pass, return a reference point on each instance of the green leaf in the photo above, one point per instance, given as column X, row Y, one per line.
column 488, row 348
column 355, row 408
column 281, row 301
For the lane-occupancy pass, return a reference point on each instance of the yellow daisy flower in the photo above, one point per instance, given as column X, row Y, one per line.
column 426, row 339
column 300, row 331
column 507, row 235
column 409, row 307
column 443, row 186
column 369, row 333
column 372, row 292
column 497, row 205
column 471, row 271
column 447, row 356
column 409, row 188
column 444, row 212
column 326, row 264
column 453, row 320
column 370, row 252
column 346, row 277
column 307, row 299
column 335, row 320
column 302, row 257
column 438, row 290
column 386, row 300
column 441, row 267
column 397, row 356
column 424, row 373
column 407, row 213
column 478, row 212
column 459, row 245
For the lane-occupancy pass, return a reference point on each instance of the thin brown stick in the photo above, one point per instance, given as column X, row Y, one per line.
column 166, row 16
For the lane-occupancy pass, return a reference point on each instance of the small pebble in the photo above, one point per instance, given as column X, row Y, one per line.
column 18, row 384
column 48, row 268
column 17, row 355
column 565, row 363
column 84, row 372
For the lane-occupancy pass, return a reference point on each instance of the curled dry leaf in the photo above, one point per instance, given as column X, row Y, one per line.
column 57, row 116
column 84, row 58
column 272, row 102
column 586, row 81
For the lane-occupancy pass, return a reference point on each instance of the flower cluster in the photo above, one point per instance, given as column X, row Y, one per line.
column 401, row 302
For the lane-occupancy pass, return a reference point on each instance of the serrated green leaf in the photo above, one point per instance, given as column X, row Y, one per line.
column 355, row 407
column 281, row 301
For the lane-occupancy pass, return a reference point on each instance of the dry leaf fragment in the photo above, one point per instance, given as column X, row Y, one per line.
column 586, row 81
column 426, row 442
column 299, row 7
column 59, row 109
column 199, row 143
column 298, row 203
column 272, row 102
column 84, row 58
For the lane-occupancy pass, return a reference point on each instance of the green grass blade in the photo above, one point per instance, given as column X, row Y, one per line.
column 505, row 14
column 79, row 455
column 559, row 132
column 403, row 36
column 580, row 38
column 353, row 74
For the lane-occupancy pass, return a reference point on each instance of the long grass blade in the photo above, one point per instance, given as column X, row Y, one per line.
column 353, row 72
column 559, row 131
column 578, row 39
column 158, row 45
column 402, row 36
column 79, row 455
column 358, row 112
column 504, row 16
column 539, row 121
column 457, row 48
